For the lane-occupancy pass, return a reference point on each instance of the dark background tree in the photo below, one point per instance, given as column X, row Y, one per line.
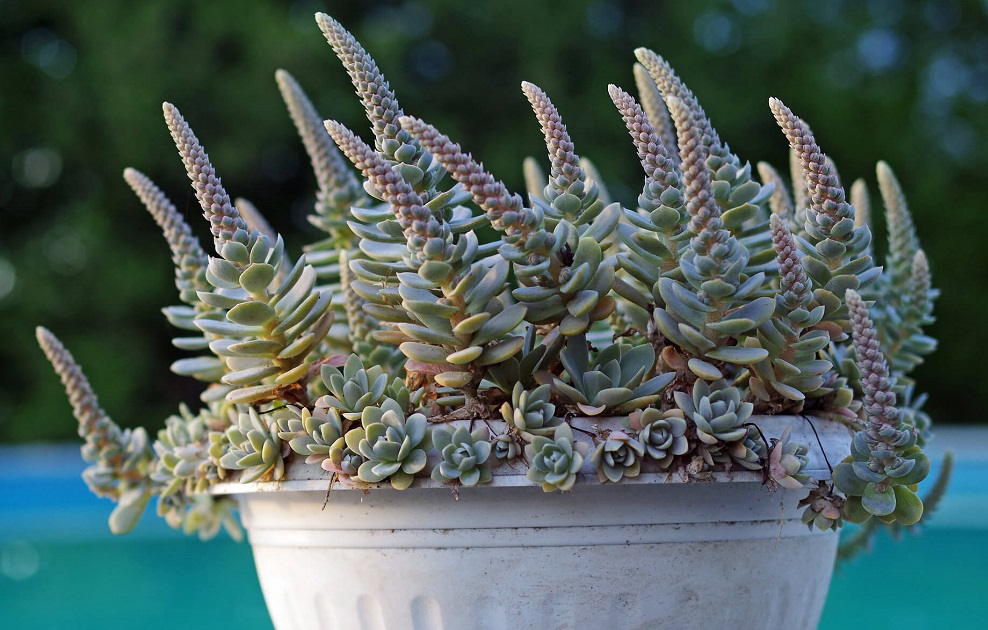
column 81, row 86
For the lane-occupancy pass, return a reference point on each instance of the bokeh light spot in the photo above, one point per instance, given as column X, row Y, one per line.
column 8, row 278
column 38, row 167
column 604, row 18
column 53, row 55
column 879, row 49
column 716, row 32
column 19, row 560
column 432, row 60
column 65, row 251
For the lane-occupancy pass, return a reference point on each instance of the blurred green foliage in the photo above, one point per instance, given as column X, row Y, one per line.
column 81, row 86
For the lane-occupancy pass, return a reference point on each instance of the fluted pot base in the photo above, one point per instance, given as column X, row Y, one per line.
column 556, row 566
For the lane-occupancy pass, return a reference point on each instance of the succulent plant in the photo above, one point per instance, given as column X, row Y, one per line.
column 862, row 537
column 618, row 455
column 254, row 447
column 119, row 459
column 750, row 451
column 182, row 459
column 834, row 244
column 530, row 411
column 792, row 371
column 201, row 514
column 507, row 446
column 786, row 461
column 879, row 477
column 555, row 461
column 356, row 388
column 663, row 433
column 536, row 355
column 651, row 232
column 716, row 410
column 264, row 327
column 615, row 379
column 393, row 447
column 720, row 419
column 464, row 454
column 716, row 295
column 823, row 508
column 309, row 433
column 344, row 461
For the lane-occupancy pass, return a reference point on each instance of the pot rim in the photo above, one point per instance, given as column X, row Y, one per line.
column 819, row 434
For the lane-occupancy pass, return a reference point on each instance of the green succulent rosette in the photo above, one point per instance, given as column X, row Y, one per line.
column 393, row 447
column 254, row 447
column 786, row 461
column 555, row 461
column 662, row 433
column 311, row 434
column 465, row 455
column 530, row 411
column 618, row 456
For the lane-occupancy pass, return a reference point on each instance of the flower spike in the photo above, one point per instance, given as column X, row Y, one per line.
column 653, row 155
column 876, row 382
column 701, row 205
column 656, row 111
column 795, row 290
column 672, row 87
column 565, row 163
column 338, row 188
column 504, row 209
column 187, row 254
column 830, row 217
column 903, row 242
column 488, row 193
column 406, row 203
column 570, row 195
column 85, row 406
column 379, row 100
column 120, row 458
column 224, row 220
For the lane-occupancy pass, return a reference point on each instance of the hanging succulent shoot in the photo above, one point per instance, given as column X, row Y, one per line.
column 879, row 477
column 709, row 300
column 119, row 460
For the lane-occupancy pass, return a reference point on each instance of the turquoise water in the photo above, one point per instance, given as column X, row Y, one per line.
column 934, row 581
column 60, row 568
column 146, row 584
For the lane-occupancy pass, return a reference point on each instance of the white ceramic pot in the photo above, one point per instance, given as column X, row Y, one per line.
column 655, row 551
